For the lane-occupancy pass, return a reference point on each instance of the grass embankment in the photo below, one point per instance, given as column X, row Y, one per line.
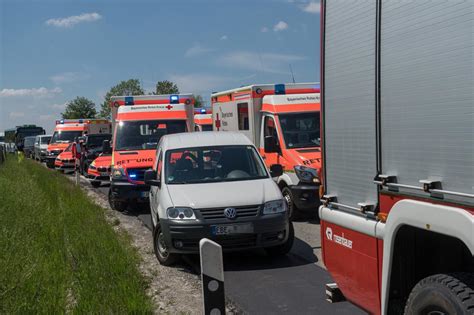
column 57, row 252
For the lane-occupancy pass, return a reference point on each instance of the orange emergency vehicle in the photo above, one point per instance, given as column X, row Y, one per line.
column 283, row 122
column 100, row 169
column 138, row 124
column 65, row 160
column 67, row 130
column 203, row 122
column 397, row 220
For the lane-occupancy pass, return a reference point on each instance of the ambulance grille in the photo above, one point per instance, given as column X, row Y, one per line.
column 218, row 213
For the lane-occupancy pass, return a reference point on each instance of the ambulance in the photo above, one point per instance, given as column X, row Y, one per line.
column 138, row 123
column 67, row 130
column 65, row 161
column 282, row 120
column 203, row 122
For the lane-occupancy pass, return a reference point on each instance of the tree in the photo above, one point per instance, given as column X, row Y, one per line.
column 198, row 101
column 80, row 107
column 129, row 87
column 166, row 87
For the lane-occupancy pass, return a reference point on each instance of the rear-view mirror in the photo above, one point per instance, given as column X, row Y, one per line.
column 276, row 170
column 150, row 178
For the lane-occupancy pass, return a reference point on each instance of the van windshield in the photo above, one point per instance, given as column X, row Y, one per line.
column 45, row 140
column 300, row 130
column 145, row 134
column 29, row 141
column 213, row 164
column 97, row 141
column 62, row 136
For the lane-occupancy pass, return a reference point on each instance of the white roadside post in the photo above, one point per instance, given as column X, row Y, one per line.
column 212, row 275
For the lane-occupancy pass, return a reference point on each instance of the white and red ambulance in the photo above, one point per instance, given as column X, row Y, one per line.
column 282, row 120
column 203, row 122
column 138, row 124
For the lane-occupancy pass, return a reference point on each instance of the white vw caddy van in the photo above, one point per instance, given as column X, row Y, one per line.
column 215, row 185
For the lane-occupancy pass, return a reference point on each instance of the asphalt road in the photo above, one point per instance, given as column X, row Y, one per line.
column 260, row 285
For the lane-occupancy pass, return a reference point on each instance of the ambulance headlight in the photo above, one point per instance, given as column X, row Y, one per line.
column 181, row 213
column 307, row 174
column 275, row 206
column 118, row 173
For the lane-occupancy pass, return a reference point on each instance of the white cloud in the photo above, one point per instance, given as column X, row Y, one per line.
column 35, row 92
column 58, row 106
column 224, row 37
column 196, row 50
column 68, row 77
column 268, row 62
column 312, row 7
column 17, row 114
column 264, row 29
column 280, row 26
column 70, row 21
column 198, row 82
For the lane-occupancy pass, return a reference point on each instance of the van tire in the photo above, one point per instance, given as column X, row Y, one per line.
column 446, row 293
column 165, row 258
column 119, row 206
column 288, row 195
column 96, row 183
column 283, row 249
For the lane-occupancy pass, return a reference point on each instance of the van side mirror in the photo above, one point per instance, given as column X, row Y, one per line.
column 151, row 178
column 106, row 149
column 271, row 145
column 276, row 170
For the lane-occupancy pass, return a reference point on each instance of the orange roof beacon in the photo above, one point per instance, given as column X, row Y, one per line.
column 283, row 122
column 67, row 130
column 138, row 123
column 397, row 217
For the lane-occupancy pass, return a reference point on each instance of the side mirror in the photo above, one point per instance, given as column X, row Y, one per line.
column 106, row 148
column 150, row 178
column 276, row 170
column 271, row 145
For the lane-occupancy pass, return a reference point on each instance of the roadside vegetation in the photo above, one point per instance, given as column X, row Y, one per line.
column 57, row 252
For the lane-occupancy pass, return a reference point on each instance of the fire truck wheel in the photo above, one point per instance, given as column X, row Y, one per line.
column 116, row 205
column 286, row 192
column 283, row 249
column 442, row 294
column 161, row 249
column 95, row 183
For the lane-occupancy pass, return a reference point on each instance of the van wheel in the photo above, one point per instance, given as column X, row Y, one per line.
column 161, row 250
column 286, row 192
column 119, row 206
column 442, row 294
column 95, row 183
column 283, row 249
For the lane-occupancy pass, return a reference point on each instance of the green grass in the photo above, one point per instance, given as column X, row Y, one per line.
column 57, row 252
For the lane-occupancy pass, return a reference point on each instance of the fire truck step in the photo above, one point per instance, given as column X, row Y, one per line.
column 333, row 293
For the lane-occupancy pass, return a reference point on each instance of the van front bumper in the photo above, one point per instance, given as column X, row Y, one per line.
column 124, row 191
column 306, row 197
column 183, row 237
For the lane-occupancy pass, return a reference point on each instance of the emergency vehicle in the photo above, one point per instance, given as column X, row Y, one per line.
column 138, row 123
column 99, row 170
column 397, row 220
column 203, row 122
column 282, row 120
column 67, row 130
column 65, row 160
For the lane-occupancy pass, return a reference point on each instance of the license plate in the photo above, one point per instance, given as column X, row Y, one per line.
column 231, row 229
column 145, row 194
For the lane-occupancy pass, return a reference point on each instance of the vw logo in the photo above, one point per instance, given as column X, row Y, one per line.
column 230, row 213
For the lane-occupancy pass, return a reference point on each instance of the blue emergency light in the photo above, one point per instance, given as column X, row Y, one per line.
column 203, row 110
column 132, row 176
column 128, row 100
column 61, row 121
column 174, row 99
column 280, row 89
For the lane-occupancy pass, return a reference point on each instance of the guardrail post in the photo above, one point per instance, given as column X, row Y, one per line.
column 212, row 274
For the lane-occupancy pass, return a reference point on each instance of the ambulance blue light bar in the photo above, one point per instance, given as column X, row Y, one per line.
column 280, row 89
column 129, row 100
column 174, row 99
column 203, row 110
column 133, row 176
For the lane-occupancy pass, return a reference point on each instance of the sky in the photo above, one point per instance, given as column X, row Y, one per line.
column 52, row 51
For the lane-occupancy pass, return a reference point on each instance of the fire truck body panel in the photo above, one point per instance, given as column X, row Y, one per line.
column 398, row 145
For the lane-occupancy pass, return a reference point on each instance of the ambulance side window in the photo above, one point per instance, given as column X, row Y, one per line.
column 243, row 114
column 270, row 128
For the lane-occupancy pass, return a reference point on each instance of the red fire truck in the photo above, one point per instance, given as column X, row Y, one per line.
column 397, row 220
column 138, row 123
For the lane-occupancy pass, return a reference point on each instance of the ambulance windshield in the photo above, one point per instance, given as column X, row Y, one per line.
column 145, row 134
column 213, row 164
column 300, row 130
column 65, row 136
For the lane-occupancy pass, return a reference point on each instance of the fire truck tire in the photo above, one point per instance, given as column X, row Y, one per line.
column 286, row 192
column 96, row 183
column 161, row 251
column 117, row 205
column 442, row 294
column 283, row 249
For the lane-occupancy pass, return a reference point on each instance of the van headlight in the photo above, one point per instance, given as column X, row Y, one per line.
column 307, row 174
column 118, row 173
column 275, row 206
column 180, row 213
